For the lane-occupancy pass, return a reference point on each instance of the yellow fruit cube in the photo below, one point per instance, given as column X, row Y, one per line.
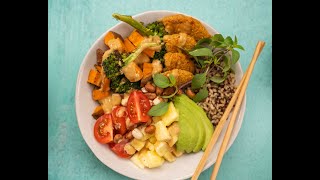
column 169, row 157
column 162, row 133
column 146, row 136
column 135, row 159
column 153, row 139
column 161, row 148
column 129, row 149
column 151, row 159
column 137, row 144
column 150, row 146
column 170, row 116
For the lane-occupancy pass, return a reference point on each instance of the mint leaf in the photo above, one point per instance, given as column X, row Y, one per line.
column 219, row 79
column 201, row 52
column 227, row 63
column 172, row 80
column 201, row 95
column 228, row 41
column 161, row 80
column 235, row 40
column 198, row 80
column 239, row 47
column 235, row 56
column 217, row 37
column 159, row 109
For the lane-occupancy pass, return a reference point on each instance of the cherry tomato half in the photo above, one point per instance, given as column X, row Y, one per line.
column 103, row 131
column 118, row 148
column 138, row 107
column 119, row 114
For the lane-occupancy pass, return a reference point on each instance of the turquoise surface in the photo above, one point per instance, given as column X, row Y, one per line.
column 74, row 25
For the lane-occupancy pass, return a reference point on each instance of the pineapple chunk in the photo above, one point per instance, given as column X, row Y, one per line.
column 162, row 133
column 176, row 152
column 129, row 149
column 161, row 148
column 169, row 157
column 153, row 139
column 151, row 159
column 155, row 119
column 150, row 146
column 135, row 159
column 146, row 136
column 170, row 116
column 174, row 132
column 137, row 144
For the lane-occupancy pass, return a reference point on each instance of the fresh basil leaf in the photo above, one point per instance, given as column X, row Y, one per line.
column 219, row 79
column 172, row 80
column 201, row 52
column 239, row 47
column 217, row 37
column 235, row 40
column 198, row 80
column 227, row 63
column 228, row 41
column 159, row 109
column 235, row 56
column 201, row 95
column 161, row 80
column 203, row 42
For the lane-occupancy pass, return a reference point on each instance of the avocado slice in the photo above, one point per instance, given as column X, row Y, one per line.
column 187, row 138
column 200, row 122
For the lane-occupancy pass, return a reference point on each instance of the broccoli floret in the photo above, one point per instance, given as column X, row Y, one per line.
column 157, row 28
column 121, row 84
column 159, row 55
column 113, row 64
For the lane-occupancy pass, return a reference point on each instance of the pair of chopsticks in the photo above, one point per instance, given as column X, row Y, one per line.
column 237, row 98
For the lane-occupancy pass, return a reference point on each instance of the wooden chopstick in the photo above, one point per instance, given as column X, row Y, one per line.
column 224, row 117
column 234, row 115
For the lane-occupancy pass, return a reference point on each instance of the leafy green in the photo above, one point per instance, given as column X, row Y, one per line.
column 121, row 84
column 157, row 28
column 113, row 64
column 161, row 80
column 159, row 55
column 201, row 52
column 198, row 80
column 201, row 95
column 218, row 79
column 172, row 80
column 235, row 56
column 159, row 109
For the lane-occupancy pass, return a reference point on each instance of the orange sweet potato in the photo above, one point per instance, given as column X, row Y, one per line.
column 98, row 94
column 98, row 111
column 147, row 73
column 149, row 52
column 129, row 46
column 135, row 38
column 111, row 35
column 105, row 85
column 94, row 77
column 99, row 68
column 99, row 53
column 116, row 44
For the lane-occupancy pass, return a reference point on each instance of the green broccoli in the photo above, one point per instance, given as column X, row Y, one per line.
column 121, row 84
column 159, row 55
column 152, row 29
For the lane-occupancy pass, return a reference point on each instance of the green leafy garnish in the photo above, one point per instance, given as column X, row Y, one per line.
column 198, row 80
column 161, row 80
column 159, row 109
column 201, row 95
column 219, row 79
column 172, row 80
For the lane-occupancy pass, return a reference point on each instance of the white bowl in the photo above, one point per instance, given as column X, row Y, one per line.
column 185, row 165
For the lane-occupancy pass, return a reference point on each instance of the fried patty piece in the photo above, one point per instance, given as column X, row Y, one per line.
column 176, row 41
column 178, row 61
column 184, row 24
column 182, row 76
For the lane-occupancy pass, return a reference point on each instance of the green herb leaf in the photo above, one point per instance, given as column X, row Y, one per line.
column 202, row 43
column 161, row 80
column 172, row 80
column 235, row 40
column 227, row 63
column 228, row 41
column 198, row 80
column 159, row 109
column 239, row 47
column 201, row 52
column 201, row 95
column 235, row 56
column 171, row 95
column 219, row 79
column 217, row 37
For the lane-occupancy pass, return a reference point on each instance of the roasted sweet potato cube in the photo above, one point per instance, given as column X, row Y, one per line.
column 94, row 77
column 98, row 111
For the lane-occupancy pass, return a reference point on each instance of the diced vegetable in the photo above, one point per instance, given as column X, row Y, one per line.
column 169, row 157
column 111, row 35
column 129, row 149
column 99, row 53
column 156, row 67
column 98, row 94
column 135, row 37
column 162, row 133
column 94, row 77
column 150, row 146
column 98, row 67
column 170, row 116
column 153, row 139
column 147, row 73
column 174, row 132
column 116, row 99
column 151, row 159
column 142, row 58
column 106, row 104
column 117, row 44
column 161, row 148
column 149, row 52
column 129, row 46
column 98, row 111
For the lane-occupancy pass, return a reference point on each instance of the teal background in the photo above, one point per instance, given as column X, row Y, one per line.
column 74, row 25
